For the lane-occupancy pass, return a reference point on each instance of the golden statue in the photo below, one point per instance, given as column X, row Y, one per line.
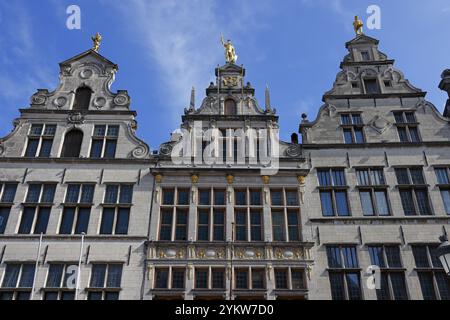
column 97, row 41
column 230, row 52
column 358, row 25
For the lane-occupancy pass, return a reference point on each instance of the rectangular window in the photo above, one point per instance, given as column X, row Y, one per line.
column 7, row 195
column 105, row 282
column 174, row 216
column 58, row 282
column 285, row 215
column 407, row 126
column 371, row 86
column 373, row 192
column 77, row 209
column 40, row 140
column 178, row 276
column 413, row 191
column 201, row 278
column 393, row 285
column 333, row 192
column 248, row 224
column 17, row 281
column 209, row 278
column 442, row 175
column 104, row 141
column 116, row 209
column 344, row 273
column 353, row 128
column 434, row 283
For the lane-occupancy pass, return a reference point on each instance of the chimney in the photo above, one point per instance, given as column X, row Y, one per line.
column 445, row 86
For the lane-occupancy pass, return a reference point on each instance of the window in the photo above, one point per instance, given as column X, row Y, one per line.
column 174, row 214
column 333, row 192
column 82, row 98
column 387, row 83
column 104, row 141
column 353, row 128
column 211, row 218
column 40, row 140
column 371, row 86
column 7, row 195
column 250, row 279
column 344, row 273
column 105, row 281
column 373, row 192
column 17, row 281
column 285, row 215
column 444, row 186
column 77, row 209
column 407, row 126
column 169, row 278
column 210, row 278
column 72, row 144
column 116, row 209
column 434, row 283
column 413, row 191
column 230, row 107
column 365, row 56
column 289, row 279
column 393, row 285
column 36, row 209
column 248, row 215
column 59, row 280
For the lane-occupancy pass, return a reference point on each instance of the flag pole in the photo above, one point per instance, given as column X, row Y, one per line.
column 79, row 266
column 36, row 266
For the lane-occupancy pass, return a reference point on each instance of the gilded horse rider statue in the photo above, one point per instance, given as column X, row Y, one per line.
column 230, row 52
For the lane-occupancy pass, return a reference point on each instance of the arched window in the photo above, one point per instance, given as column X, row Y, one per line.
column 82, row 98
column 230, row 107
column 72, row 144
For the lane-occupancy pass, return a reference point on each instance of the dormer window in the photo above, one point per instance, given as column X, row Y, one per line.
column 387, row 83
column 365, row 56
column 40, row 140
column 82, row 99
column 104, row 141
column 371, row 86
column 230, row 107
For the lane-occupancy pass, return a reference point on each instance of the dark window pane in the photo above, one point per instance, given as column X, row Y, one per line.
column 73, row 191
column 423, row 202
column 436, row 263
column 72, row 144
column 34, row 191
column 96, row 148
column 255, row 198
column 376, row 256
column 241, row 279
column 297, row 280
column 393, row 257
column 36, row 129
column 112, row 296
column 22, row 296
column 83, row 220
column 181, row 227
column 46, row 148
column 32, row 147
column 345, row 119
column 201, row 279
column 42, row 221
column 327, row 203
column 277, row 197
column 399, row 286
column 87, row 195
column 256, row 226
column 114, row 276
column 293, row 225
column 111, row 193
column 100, row 131
column 443, row 283
column 354, row 286
column 291, row 198
column 383, row 293
column 48, row 194
column 350, row 257
column 426, row 284
column 377, row 177
column 363, row 177
column 218, row 279
column 241, row 226
column 417, row 176
column 341, row 203
column 123, row 218
column 403, row 135
column 219, row 197
column 281, row 279
column 356, row 118
column 166, row 225
column 107, row 221
column 258, row 279
column 95, row 296
column 177, row 279
column 204, row 198
column 27, row 276
column 11, row 276
column 407, row 202
column 110, row 149
column 51, row 296
column 339, row 178
column 98, row 276
column 324, row 178
column 168, row 197
column 334, row 257
column 442, row 176
column 183, row 197
column 359, row 135
column 67, row 221
column 9, row 192
column 54, row 277
column 402, row 176
column 421, row 256
column 219, row 226
column 82, row 98
column 27, row 220
column 278, row 226
column 348, row 136
column 366, row 203
column 162, row 276
column 371, row 86
column 337, row 286
column 414, row 133
column 113, row 131
column 410, row 117
column 382, row 204
column 68, row 295
column 4, row 215
column 126, row 194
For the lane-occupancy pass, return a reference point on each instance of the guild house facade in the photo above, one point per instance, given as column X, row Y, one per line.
column 224, row 210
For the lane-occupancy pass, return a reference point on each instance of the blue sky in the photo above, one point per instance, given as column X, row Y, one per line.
column 165, row 47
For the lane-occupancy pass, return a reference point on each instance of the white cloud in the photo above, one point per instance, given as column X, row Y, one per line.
column 183, row 39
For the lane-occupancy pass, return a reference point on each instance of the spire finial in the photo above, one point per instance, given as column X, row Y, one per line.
column 358, row 26
column 268, row 107
column 192, row 103
column 97, row 40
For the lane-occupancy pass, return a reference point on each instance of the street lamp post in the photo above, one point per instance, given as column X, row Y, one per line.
column 443, row 253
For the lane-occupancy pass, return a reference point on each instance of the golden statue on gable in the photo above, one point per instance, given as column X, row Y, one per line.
column 230, row 52
column 97, row 40
column 358, row 26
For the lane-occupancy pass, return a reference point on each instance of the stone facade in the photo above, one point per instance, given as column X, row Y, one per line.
column 267, row 220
